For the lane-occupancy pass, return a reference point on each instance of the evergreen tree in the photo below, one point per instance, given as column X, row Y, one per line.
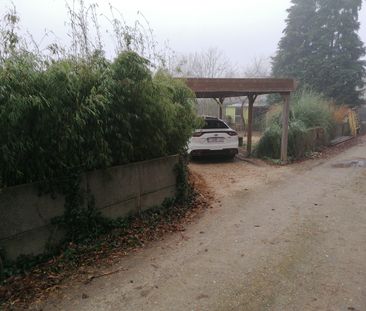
column 296, row 44
column 321, row 48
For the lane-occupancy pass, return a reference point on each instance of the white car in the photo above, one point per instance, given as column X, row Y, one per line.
column 215, row 138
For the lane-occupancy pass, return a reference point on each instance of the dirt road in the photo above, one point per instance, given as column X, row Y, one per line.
column 278, row 238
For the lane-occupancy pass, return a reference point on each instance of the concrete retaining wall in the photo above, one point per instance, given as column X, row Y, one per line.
column 25, row 217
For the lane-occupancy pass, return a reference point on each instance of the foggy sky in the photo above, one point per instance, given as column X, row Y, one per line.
column 242, row 29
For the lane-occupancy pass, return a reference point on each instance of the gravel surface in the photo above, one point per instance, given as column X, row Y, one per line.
column 277, row 238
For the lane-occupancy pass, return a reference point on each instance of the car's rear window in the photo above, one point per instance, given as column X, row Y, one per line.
column 214, row 124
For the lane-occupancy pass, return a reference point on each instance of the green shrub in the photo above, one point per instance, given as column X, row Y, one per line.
column 270, row 143
column 85, row 114
column 308, row 110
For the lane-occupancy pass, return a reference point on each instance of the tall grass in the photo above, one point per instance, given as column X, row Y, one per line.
column 308, row 110
column 313, row 110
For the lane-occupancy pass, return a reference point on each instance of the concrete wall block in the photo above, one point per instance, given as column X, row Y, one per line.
column 33, row 242
column 113, row 185
column 121, row 209
column 157, row 174
column 152, row 199
column 22, row 209
column 118, row 192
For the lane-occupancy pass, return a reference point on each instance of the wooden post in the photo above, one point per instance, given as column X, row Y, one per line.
column 242, row 117
column 251, row 99
column 220, row 102
column 285, row 122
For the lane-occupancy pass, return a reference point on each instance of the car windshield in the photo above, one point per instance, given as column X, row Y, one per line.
column 214, row 124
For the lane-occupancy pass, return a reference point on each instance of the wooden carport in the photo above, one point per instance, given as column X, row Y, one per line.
column 221, row 88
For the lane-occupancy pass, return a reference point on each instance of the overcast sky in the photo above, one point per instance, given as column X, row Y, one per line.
column 242, row 29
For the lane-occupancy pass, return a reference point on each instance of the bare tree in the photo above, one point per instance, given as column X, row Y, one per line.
column 258, row 68
column 211, row 63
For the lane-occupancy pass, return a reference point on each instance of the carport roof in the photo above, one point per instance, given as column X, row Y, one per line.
column 236, row 87
column 221, row 88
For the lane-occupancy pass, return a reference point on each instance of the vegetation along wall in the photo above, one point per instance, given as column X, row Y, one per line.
column 26, row 225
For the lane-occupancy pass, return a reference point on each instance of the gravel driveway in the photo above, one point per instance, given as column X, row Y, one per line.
column 277, row 238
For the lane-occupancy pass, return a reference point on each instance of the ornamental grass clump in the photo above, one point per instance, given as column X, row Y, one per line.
column 308, row 110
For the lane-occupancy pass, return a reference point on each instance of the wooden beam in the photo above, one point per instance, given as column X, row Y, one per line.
column 226, row 87
column 251, row 99
column 285, row 123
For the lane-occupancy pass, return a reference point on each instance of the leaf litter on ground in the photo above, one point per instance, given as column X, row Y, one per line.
column 85, row 262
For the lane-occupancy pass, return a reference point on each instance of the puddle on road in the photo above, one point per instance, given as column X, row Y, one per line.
column 361, row 162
